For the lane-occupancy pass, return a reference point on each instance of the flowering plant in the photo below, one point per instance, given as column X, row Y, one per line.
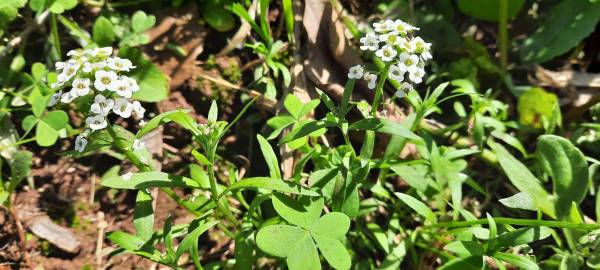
column 404, row 53
column 96, row 73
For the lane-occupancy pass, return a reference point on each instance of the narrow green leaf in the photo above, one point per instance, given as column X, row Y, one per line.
column 306, row 129
column 270, row 157
column 20, row 166
column 516, row 260
column 272, row 184
column 148, row 180
column 192, row 237
column 143, row 215
column 161, row 119
column 520, row 176
column 465, row 248
column 383, row 126
column 521, row 236
column 418, row 206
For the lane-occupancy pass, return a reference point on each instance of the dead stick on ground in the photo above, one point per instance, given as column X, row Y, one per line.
column 101, row 226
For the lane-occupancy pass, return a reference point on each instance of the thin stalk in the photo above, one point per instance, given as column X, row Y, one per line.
column 503, row 35
column 516, row 221
column 379, row 89
column 54, row 36
column 214, row 194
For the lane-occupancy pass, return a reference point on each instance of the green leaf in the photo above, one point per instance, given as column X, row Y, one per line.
column 103, row 32
column 269, row 156
column 334, row 225
column 217, row 17
column 278, row 123
column 418, row 206
column 521, row 236
column 516, row 260
column 416, row 175
column 140, row 21
column 272, row 184
column 293, row 105
column 523, row 179
column 192, row 237
column 289, row 242
column 164, row 118
column 143, row 216
column 303, row 212
column 334, row 251
column 148, row 180
column 566, row 25
column 127, row 241
column 383, row 126
column 568, row 168
column 154, row 85
column 308, row 107
column 60, row 6
column 488, row 9
column 49, row 126
column 521, row 200
column 306, row 129
column 465, row 248
column 469, row 263
column 38, row 71
column 20, row 166
column 535, row 105
column 213, row 111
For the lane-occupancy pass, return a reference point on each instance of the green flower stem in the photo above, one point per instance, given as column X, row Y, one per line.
column 54, row 36
column 516, row 221
column 214, row 194
column 503, row 35
column 379, row 89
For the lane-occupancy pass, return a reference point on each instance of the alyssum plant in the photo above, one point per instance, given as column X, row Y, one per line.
column 330, row 190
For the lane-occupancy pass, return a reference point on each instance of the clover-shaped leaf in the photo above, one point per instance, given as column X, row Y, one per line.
column 48, row 127
column 140, row 21
column 297, row 243
column 60, row 6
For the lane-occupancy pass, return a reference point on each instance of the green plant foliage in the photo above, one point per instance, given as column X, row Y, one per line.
column 489, row 9
column 534, row 105
column 153, row 83
column 565, row 26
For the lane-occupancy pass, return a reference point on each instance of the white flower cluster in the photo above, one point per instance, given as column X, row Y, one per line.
column 393, row 41
column 96, row 72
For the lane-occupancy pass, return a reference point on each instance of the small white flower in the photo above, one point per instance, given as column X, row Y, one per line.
column 408, row 62
column 396, row 73
column 76, row 53
column 119, row 64
column 121, row 87
column 54, row 98
column 138, row 144
column 355, row 72
column 391, row 39
column 81, row 87
column 104, row 79
column 369, row 42
column 123, row 108
column 417, row 76
column 96, row 122
column 102, row 105
column 102, row 52
column 68, row 97
column 142, row 123
column 133, row 85
column 402, row 28
column 68, row 71
column 90, row 67
column 383, row 27
column 386, row 53
column 371, row 79
column 404, row 88
column 419, row 46
column 80, row 143
column 138, row 109
column 59, row 65
column 127, row 176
